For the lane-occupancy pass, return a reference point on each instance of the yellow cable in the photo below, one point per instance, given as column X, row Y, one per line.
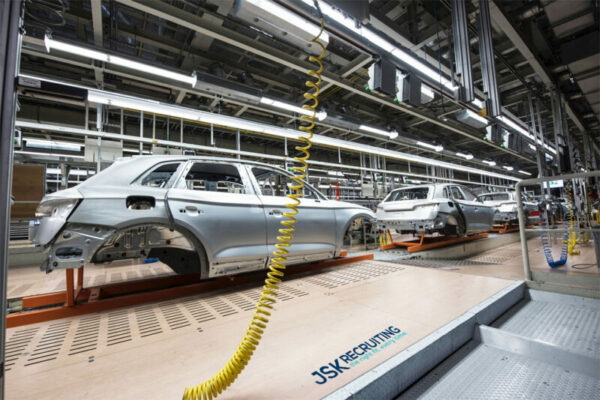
column 572, row 242
column 228, row 374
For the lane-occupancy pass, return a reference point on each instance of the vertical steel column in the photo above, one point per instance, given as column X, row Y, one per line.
column 11, row 13
column 141, row 132
column 237, row 143
column 462, row 50
column 121, row 126
column 181, row 131
column 488, row 66
column 99, row 129
column 539, row 157
column 556, row 120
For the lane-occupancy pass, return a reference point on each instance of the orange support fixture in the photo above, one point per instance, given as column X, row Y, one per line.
column 505, row 229
column 124, row 294
column 428, row 243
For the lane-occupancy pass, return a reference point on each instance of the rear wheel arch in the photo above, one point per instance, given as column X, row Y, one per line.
column 176, row 258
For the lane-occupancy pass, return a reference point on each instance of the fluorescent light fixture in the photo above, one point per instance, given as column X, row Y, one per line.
column 392, row 135
column 515, row 126
column 320, row 115
column 525, row 172
column 234, row 122
column 34, row 153
column 290, row 17
column 532, row 147
column 477, row 117
column 478, row 103
column 372, row 37
column 427, row 91
column 52, row 145
column 73, row 172
column 490, row 163
column 100, row 56
column 437, row 148
column 508, row 168
column 150, row 106
column 524, row 132
column 149, row 69
column 463, row 155
column 427, row 94
column 73, row 49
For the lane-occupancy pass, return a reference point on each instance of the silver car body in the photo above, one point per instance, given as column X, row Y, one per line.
column 440, row 208
column 213, row 216
column 505, row 204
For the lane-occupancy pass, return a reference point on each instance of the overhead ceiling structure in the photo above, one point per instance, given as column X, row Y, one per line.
column 247, row 60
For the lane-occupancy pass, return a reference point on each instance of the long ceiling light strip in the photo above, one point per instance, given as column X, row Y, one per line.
column 518, row 128
column 407, row 59
column 116, row 60
column 391, row 134
column 372, row 37
column 239, row 123
column 138, row 66
column 52, row 145
column 437, row 148
column 290, row 17
column 321, row 115
column 208, row 149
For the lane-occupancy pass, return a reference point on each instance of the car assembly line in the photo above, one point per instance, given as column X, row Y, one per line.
column 299, row 199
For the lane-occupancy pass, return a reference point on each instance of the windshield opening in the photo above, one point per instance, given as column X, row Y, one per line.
column 419, row 193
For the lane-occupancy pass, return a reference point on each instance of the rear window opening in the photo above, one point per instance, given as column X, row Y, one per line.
column 420, row 193
column 495, row 197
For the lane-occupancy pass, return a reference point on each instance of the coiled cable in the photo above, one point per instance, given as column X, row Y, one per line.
column 228, row 374
column 569, row 237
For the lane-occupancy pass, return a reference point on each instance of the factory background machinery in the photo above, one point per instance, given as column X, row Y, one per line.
column 425, row 110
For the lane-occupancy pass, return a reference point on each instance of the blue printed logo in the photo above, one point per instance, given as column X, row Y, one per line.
column 358, row 354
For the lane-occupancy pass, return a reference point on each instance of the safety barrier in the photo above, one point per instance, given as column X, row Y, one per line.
column 566, row 283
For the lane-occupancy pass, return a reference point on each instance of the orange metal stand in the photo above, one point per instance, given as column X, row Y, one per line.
column 505, row 229
column 428, row 243
column 79, row 300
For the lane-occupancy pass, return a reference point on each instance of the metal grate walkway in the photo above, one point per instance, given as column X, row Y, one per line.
column 545, row 347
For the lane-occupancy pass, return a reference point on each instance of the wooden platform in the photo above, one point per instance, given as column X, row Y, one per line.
column 155, row 350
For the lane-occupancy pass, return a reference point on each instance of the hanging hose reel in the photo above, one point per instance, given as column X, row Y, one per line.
column 228, row 374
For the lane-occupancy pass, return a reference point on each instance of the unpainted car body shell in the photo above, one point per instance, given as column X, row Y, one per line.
column 506, row 210
column 229, row 232
column 437, row 213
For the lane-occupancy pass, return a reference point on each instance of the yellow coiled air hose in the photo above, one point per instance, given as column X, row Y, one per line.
column 573, row 240
column 228, row 374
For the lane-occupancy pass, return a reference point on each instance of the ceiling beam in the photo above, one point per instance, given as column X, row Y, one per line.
column 231, row 37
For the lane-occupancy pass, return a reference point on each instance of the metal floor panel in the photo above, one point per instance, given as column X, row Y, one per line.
column 573, row 327
column 525, row 355
column 478, row 371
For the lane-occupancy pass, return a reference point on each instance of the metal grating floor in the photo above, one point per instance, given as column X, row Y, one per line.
column 87, row 337
column 572, row 327
column 478, row 371
column 566, row 328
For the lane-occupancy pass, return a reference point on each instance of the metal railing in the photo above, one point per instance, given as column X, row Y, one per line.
column 522, row 216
